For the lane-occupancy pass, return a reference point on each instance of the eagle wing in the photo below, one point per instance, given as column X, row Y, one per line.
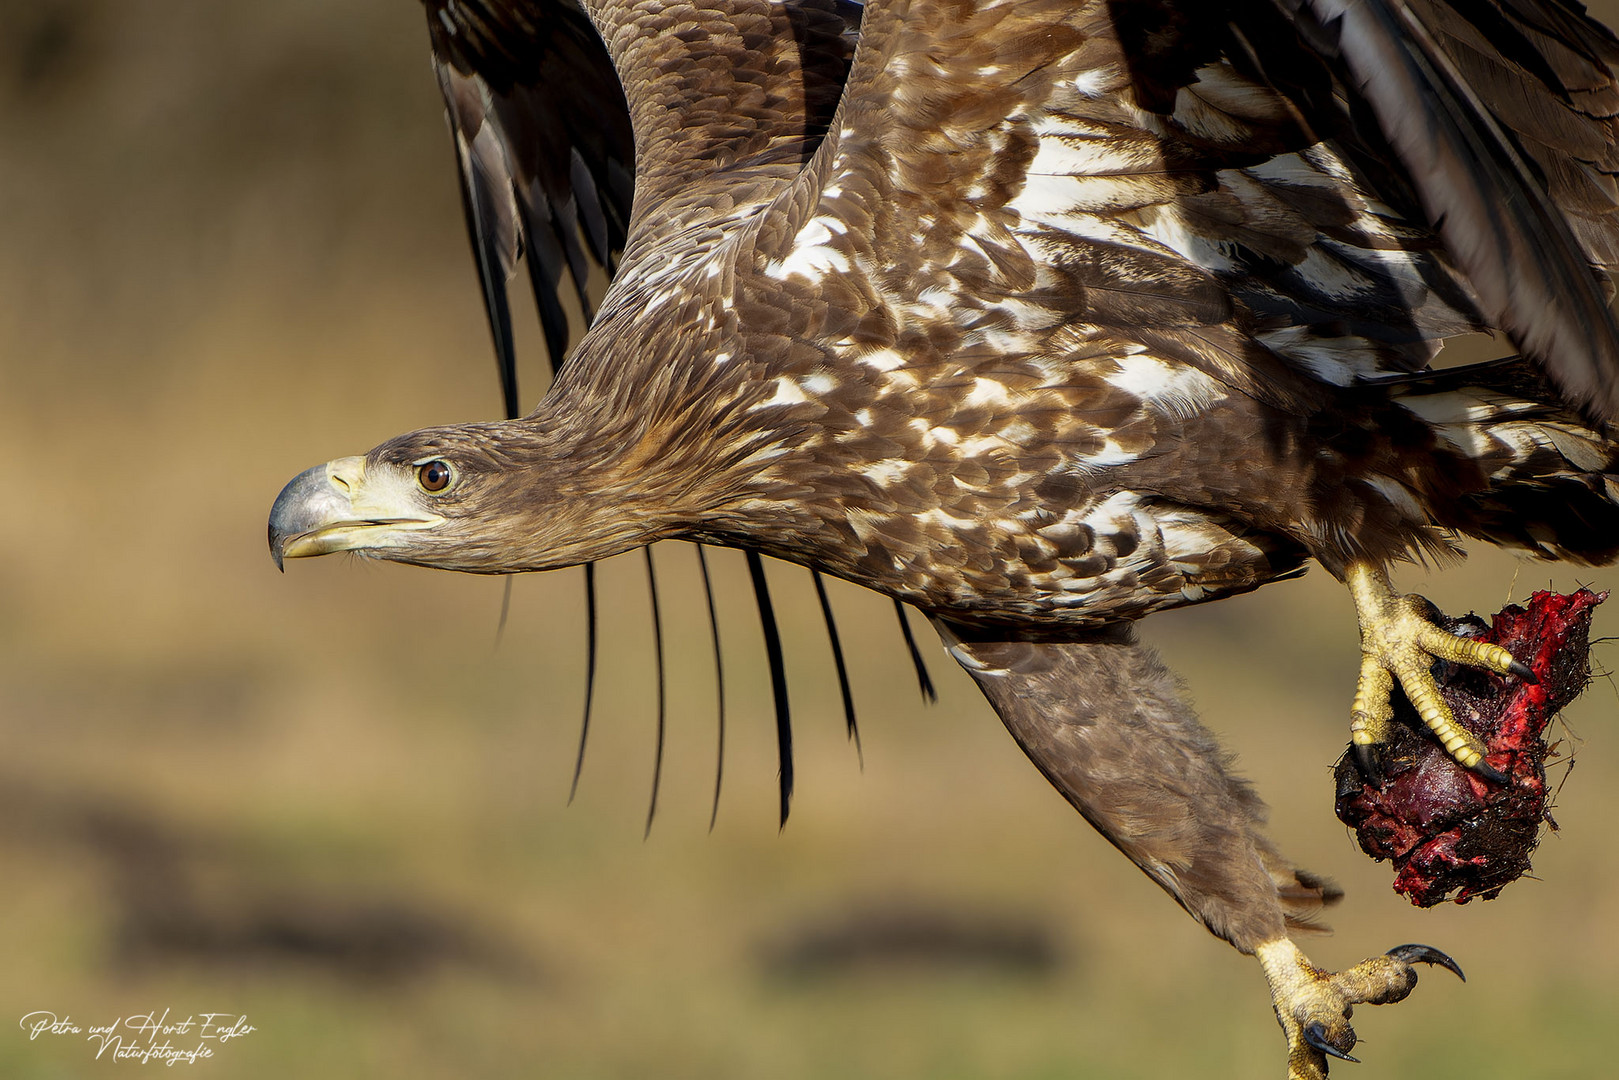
column 1502, row 114
column 1236, row 172
column 544, row 151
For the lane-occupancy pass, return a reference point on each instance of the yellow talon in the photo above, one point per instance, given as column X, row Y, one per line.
column 1398, row 640
column 1314, row 1006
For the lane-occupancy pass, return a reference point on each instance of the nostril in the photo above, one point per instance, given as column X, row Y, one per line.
column 345, row 474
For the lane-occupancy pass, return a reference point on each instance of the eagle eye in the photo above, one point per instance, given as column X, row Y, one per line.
column 434, row 476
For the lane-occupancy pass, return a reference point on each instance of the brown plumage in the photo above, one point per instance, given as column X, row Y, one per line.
column 1042, row 316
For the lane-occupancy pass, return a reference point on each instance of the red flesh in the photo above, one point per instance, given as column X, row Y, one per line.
column 1448, row 830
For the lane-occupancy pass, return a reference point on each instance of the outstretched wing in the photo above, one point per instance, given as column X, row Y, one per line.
column 1226, row 184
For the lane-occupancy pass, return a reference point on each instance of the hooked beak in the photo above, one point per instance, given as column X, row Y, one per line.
column 330, row 508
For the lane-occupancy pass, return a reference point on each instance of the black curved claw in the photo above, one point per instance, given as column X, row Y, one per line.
column 1370, row 759
column 1491, row 773
column 1523, row 672
column 1425, row 954
column 1316, row 1036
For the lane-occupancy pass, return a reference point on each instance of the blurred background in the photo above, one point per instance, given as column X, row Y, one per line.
column 230, row 247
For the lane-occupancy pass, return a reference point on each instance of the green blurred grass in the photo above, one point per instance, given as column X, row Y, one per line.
column 232, row 250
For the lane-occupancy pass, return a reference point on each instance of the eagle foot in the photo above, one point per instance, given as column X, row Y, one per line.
column 1399, row 640
column 1314, row 1006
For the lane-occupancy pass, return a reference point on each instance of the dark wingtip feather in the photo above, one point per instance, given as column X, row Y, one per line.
column 657, row 651
column 923, row 679
column 837, row 660
column 505, row 611
column 492, row 245
column 719, row 683
column 492, row 281
column 778, row 680
column 590, row 676
column 543, row 275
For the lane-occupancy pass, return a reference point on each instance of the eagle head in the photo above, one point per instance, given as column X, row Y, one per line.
column 482, row 498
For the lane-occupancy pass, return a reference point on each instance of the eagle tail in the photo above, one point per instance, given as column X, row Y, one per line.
column 1543, row 479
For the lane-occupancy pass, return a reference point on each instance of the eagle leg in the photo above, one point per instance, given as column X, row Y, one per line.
column 1398, row 640
column 1104, row 720
column 1314, row 1006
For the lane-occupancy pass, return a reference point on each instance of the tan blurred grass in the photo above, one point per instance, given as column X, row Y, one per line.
column 232, row 249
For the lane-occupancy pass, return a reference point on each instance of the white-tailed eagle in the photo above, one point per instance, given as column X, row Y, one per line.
column 1042, row 316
